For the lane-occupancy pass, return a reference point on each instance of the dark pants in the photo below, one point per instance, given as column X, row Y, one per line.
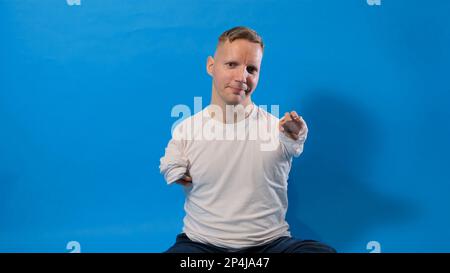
column 281, row 245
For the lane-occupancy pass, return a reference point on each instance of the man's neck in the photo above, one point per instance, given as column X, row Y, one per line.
column 230, row 113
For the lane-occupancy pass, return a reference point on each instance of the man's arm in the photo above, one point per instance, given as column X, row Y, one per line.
column 293, row 133
column 174, row 165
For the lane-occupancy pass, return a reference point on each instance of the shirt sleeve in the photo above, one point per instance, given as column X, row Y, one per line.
column 293, row 148
column 174, row 164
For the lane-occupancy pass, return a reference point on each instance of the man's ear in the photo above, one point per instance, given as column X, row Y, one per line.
column 210, row 65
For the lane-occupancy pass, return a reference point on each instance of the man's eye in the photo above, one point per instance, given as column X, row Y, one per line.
column 251, row 70
column 230, row 65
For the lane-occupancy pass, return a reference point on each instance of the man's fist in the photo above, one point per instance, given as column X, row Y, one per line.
column 292, row 125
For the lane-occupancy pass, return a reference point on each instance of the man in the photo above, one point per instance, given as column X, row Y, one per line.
column 233, row 159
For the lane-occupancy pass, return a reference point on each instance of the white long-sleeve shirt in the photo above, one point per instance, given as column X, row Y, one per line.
column 238, row 196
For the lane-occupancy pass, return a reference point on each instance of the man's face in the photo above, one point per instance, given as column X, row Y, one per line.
column 235, row 70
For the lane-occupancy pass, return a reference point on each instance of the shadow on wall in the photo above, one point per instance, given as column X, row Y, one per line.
column 330, row 197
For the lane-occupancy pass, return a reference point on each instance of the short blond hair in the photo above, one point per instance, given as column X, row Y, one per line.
column 241, row 32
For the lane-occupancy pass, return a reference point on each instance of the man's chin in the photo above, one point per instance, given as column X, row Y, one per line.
column 235, row 99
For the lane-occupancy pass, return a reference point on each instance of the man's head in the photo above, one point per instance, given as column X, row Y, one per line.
column 235, row 66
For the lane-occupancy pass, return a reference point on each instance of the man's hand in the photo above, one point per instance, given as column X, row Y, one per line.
column 292, row 125
column 186, row 180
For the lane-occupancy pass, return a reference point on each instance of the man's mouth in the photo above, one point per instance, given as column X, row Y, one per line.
column 237, row 90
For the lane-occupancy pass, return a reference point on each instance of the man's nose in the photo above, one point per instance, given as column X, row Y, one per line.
column 241, row 75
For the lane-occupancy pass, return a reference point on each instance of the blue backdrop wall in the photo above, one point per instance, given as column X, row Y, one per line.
column 86, row 93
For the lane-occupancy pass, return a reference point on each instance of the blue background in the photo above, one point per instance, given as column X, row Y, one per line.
column 86, row 94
